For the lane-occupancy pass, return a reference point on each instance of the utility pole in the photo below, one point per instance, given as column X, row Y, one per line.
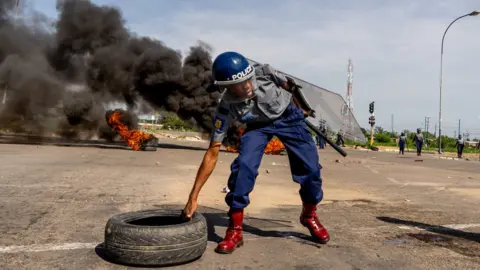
column 459, row 120
column 392, row 125
column 435, row 131
column 427, row 125
column 424, row 125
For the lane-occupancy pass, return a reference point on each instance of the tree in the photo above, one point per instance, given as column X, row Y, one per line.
column 379, row 130
column 382, row 136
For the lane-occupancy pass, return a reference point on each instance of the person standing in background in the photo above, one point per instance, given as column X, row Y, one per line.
column 402, row 141
column 320, row 141
column 418, row 139
column 340, row 140
column 460, row 144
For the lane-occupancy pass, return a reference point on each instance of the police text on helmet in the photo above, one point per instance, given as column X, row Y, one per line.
column 242, row 73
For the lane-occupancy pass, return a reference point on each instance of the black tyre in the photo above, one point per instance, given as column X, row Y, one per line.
column 155, row 238
column 150, row 145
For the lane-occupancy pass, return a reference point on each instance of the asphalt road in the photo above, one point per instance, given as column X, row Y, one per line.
column 383, row 211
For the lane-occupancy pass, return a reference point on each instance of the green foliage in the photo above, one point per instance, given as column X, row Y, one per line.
column 172, row 121
column 382, row 138
column 386, row 138
column 379, row 130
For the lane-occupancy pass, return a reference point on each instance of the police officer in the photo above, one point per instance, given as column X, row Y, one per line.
column 255, row 96
column 418, row 138
column 460, row 144
column 402, row 141
column 324, row 131
column 320, row 140
column 340, row 140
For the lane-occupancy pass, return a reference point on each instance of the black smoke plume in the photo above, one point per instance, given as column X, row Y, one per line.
column 61, row 77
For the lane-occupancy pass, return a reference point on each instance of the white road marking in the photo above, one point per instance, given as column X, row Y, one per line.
column 437, row 190
column 46, row 247
column 372, row 170
column 393, row 180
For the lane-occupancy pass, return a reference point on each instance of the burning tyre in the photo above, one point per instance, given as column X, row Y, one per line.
column 121, row 123
column 155, row 238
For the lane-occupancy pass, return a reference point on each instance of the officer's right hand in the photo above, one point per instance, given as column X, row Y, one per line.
column 189, row 209
column 206, row 168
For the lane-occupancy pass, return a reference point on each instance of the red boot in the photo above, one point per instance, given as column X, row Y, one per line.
column 233, row 237
column 310, row 220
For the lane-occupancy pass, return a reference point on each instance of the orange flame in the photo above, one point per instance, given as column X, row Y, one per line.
column 274, row 147
column 134, row 138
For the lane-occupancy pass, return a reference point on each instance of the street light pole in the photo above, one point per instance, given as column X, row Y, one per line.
column 473, row 13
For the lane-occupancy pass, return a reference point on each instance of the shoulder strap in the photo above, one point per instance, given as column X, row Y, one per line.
column 266, row 71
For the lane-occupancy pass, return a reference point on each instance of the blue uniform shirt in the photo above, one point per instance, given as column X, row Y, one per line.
column 268, row 103
column 418, row 137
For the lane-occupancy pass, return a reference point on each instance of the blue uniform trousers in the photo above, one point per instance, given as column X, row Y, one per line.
column 460, row 149
column 321, row 142
column 402, row 146
column 419, row 145
column 292, row 130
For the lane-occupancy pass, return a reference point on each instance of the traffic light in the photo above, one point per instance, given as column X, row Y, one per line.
column 371, row 120
column 371, row 107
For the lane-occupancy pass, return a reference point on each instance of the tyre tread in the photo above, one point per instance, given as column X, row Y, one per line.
column 155, row 245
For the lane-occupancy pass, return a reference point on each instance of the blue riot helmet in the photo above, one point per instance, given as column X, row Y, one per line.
column 230, row 70
column 418, row 130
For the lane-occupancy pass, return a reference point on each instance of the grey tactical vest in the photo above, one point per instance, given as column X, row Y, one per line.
column 269, row 102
